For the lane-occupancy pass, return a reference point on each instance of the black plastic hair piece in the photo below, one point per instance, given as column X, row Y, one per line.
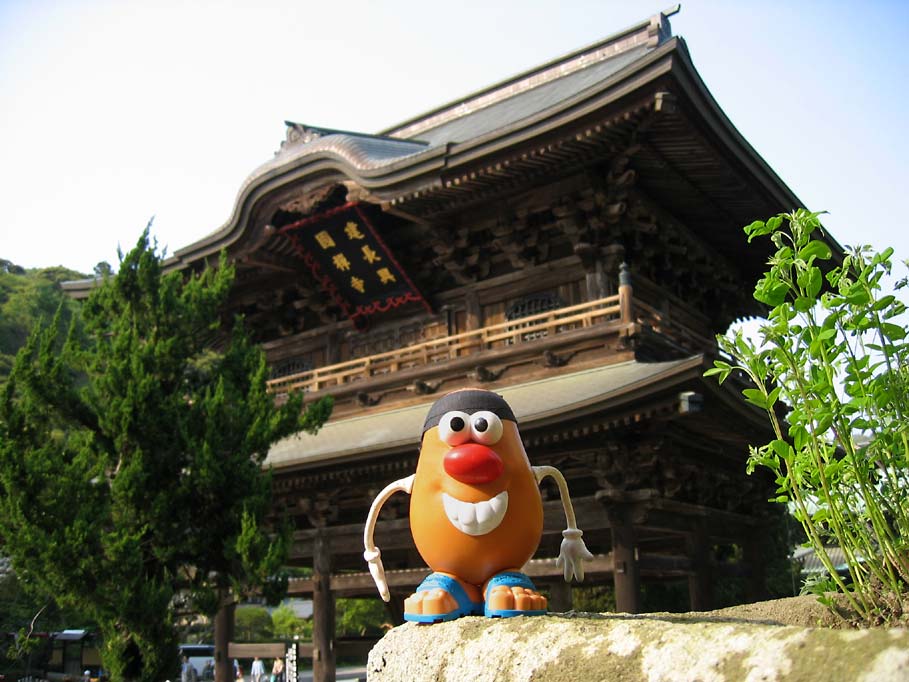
column 468, row 401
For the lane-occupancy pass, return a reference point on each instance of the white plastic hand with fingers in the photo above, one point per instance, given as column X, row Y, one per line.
column 573, row 552
column 371, row 553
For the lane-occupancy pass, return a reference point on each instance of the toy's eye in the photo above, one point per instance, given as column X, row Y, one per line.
column 486, row 427
column 454, row 428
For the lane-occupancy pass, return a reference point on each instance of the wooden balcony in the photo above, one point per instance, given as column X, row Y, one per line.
column 571, row 328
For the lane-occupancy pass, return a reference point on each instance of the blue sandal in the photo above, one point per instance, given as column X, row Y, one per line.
column 453, row 587
column 509, row 579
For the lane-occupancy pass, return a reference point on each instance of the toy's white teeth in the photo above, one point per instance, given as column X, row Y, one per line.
column 476, row 518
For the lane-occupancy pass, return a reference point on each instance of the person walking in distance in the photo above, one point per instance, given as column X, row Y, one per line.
column 257, row 672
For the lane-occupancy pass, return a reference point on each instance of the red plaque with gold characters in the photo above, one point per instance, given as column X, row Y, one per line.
column 351, row 262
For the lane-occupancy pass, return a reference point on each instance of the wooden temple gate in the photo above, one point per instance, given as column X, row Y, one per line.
column 570, row 238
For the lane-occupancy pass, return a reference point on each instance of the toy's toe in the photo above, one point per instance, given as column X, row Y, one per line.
column 500, row 598
column 526, row 599
column 441, row 597
column 430, row 602
column 513, row 594
column 503, row 598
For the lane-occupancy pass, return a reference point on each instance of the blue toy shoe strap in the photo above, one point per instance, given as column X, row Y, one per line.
column 447, row 583
column 510, row 579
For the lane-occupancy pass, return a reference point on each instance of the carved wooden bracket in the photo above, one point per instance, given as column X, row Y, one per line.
column 551, row 359
column 421, row 387
column 366, row 400
column 484, row 374
column 321, row 509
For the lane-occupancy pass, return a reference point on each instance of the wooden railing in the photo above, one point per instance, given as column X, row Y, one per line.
column 503, row 335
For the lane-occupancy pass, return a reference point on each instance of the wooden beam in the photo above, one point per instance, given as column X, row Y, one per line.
column 649, row 513
column 241, row 650
column 395, row 534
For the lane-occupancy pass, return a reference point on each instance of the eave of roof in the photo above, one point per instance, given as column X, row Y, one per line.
column 566, row 396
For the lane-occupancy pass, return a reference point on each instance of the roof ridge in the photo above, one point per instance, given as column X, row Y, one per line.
column 303, row 133
column 651, row 32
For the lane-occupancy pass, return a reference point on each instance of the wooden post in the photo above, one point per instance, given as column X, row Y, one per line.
column 224, row 634
column 473, row 313
column 755, row 575
column 323, row 612
column 394, row 609
column 700, row 584
column 592, row 280
column 625, row 294
column 560, row 599
column 333, row 349
column 626, row 573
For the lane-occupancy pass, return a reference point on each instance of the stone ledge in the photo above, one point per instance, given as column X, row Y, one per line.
column 583, row 647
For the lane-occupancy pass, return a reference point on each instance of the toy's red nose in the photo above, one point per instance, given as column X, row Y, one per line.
column 473, row 463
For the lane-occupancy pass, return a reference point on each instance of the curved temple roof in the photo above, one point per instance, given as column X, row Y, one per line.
column 624, row 72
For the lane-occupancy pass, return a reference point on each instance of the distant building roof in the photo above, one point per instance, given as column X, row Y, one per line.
column 811, row 563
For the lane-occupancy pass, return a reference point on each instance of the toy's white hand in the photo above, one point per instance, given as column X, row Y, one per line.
column 374, row 559
column 572, row 554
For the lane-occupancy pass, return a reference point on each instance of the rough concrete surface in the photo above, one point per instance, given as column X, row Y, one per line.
column 581, row 647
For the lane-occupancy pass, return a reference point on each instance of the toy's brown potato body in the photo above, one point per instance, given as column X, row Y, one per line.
column 476, row 558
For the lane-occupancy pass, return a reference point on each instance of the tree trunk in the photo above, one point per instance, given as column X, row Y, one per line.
column 224, row 633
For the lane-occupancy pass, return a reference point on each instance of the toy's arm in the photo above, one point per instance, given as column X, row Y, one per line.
column 573, row 551
column 372, row 554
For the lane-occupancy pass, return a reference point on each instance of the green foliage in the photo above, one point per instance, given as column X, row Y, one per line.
column 833, row 350
column 28, row 297
column 252, row 624
column 594, row 599
column 131, row 459
column 360, row 617
column 285, row 625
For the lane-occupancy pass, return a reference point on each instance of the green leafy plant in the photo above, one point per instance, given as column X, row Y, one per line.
column 833, row 351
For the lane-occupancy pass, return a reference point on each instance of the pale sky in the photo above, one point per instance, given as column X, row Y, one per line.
column 112, row 112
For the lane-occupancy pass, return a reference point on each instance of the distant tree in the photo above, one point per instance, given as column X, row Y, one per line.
column 286, row 625
column 103, row 269
column 359, row 617
column 26, row 298
column 131, row 462
column 252, row 624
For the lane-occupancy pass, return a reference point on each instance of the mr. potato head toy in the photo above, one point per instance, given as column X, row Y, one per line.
column 476, row 515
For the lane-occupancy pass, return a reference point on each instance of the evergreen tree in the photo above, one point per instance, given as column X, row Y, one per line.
column 131, row 459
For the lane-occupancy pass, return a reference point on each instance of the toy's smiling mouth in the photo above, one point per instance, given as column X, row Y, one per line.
column 476, row 518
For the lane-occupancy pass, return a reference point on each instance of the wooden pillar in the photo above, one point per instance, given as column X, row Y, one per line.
column 754, row 561
column 394, row 609
column 626, row 573
column 323, row 612
column 224, row 634
column 333, row 348
column 625, row 294
column 473, row 311
column 596, row 282
column 700, row 583
column 560, row 599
